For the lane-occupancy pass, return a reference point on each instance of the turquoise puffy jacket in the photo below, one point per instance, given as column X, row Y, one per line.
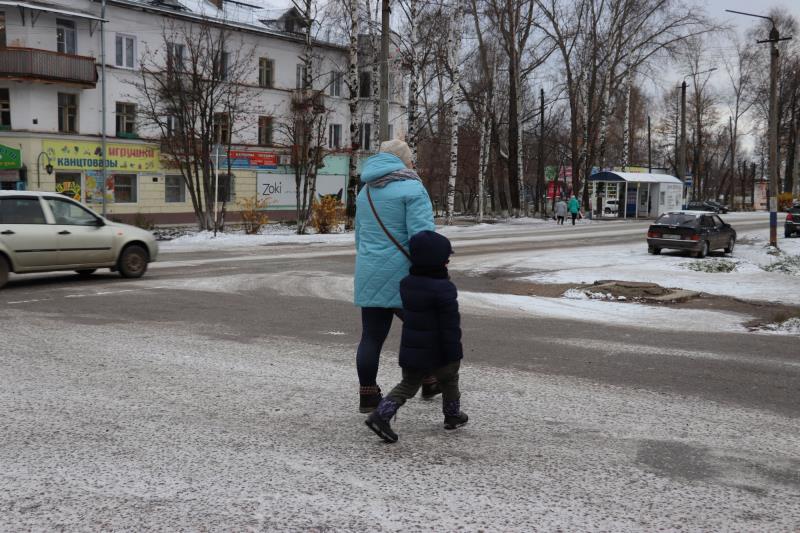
column 405, row 209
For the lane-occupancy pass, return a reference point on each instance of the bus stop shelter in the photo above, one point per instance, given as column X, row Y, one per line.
column 634, row 194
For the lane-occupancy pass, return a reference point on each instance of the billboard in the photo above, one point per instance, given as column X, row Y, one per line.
column 281, row 191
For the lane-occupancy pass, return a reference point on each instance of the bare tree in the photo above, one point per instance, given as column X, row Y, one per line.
column 193, row 94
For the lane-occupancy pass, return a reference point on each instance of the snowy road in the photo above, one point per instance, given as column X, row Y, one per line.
column 218, row 393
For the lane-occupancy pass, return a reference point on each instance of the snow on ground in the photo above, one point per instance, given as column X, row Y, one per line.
column 337, row 287
column 172, row 429
column 273, row 234
column 631, row 262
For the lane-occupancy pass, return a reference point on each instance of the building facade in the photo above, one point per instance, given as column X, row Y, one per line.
column 52, row 105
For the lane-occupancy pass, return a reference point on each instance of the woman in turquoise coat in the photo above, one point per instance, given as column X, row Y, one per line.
column 404, row 207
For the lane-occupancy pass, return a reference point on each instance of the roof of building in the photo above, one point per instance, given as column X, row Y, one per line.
column 244, row 15
column 47, row 7
column 634, row 177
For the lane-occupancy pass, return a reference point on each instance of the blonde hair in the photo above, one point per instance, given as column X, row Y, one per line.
column 398, row 148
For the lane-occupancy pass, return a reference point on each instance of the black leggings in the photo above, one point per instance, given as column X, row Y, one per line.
column 375, row 325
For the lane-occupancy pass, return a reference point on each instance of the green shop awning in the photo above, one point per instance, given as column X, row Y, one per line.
column 10, row 158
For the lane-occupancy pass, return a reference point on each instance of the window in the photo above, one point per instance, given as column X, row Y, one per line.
column 300, row 74
column 225, row 188
column 2, row 29
column 221, row 68
column 335, row 135
column 174, row 189
column 5, row 110
column 126, row 119
column 125, row 188
column 70, row 213
column 364, row 85
column 365, row 136
column 67, row 113
column 66, row 36
column 69, row 184
column 222, row 128
column 21, row 211
column 265, row 131
column 335, row 88
column 391, row 132
column 266, row 73
column 170, row 125
column 125, row 47
column 175, row 57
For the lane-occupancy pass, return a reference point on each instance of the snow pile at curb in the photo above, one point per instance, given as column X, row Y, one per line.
column 205, row 240
column 787, row 327
column 576, row 294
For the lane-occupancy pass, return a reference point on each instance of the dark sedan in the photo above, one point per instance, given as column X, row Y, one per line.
column 698, row 232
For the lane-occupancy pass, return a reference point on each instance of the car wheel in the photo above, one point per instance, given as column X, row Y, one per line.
column 731, row 244
column 132, row 262
column 703, row 250
column 653, row 250
column 3, row 271
column 86, row 272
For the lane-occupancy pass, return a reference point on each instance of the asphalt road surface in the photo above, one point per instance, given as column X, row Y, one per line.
column 219, row 393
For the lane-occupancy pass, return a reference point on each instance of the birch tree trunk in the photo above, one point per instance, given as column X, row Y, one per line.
column 626, row 127
column 455, row 95
column 374, row 82
column 523, row 204
column 413, row 85
column 483, row 157
column 352, row 83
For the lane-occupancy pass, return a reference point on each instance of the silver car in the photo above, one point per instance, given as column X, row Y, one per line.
column 41, row 232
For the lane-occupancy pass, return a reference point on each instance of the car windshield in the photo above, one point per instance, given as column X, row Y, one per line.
column 675, row 219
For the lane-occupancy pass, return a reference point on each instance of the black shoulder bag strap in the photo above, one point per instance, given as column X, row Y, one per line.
column 386, row 231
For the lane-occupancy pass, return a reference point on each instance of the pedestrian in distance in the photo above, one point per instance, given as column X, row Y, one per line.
column 574, row 208
column 392, row 206
column 431, row 339
column 561, row 211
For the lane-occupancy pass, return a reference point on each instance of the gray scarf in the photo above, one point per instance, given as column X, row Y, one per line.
column 397, row 175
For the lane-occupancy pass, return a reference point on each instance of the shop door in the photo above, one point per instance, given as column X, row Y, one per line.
column 81, row 241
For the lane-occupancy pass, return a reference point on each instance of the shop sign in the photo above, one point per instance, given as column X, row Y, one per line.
column 10, row 158
column 247, row 159
column 84, row 155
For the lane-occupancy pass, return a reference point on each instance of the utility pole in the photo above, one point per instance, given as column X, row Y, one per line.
column 774, row 55
column 681, row 156
column 731, row 189
column 384, row 112
column 104, row 167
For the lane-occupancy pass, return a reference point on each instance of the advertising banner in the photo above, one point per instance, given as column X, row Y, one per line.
column 249, row 159
column 10, row 158
column 281, row 191
column 87, row 155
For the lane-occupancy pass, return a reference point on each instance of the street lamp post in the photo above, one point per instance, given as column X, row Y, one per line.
column 48, row 168
column 774, row 39
column 681, row 156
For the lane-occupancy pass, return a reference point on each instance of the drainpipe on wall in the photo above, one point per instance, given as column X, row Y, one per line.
column 103, row 103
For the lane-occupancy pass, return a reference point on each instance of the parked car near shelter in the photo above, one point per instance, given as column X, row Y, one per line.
column 707, row 205
column 698, row 232
column 791, row 225
column 41, row 232
column 611, row 207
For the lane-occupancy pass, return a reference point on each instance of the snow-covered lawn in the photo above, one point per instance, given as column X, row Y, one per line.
column 271, row 234
column 751, row 278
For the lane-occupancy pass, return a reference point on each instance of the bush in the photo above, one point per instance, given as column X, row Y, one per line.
column 784, row 201
column 253, row 214
column 787, row 264
column 141, row 221
column 327, row 213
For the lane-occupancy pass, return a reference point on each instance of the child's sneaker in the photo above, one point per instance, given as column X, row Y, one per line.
column 368, row 398
column 454, row 417
column 378, row 420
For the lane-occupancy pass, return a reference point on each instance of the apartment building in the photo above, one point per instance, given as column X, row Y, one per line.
column 52, row 105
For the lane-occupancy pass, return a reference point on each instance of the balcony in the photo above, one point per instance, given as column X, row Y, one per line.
column 47, row 66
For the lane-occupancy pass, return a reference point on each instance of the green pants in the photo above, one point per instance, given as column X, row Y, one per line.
column 447, row 376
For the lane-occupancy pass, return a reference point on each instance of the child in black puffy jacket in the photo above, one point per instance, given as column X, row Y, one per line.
column 431, row 340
